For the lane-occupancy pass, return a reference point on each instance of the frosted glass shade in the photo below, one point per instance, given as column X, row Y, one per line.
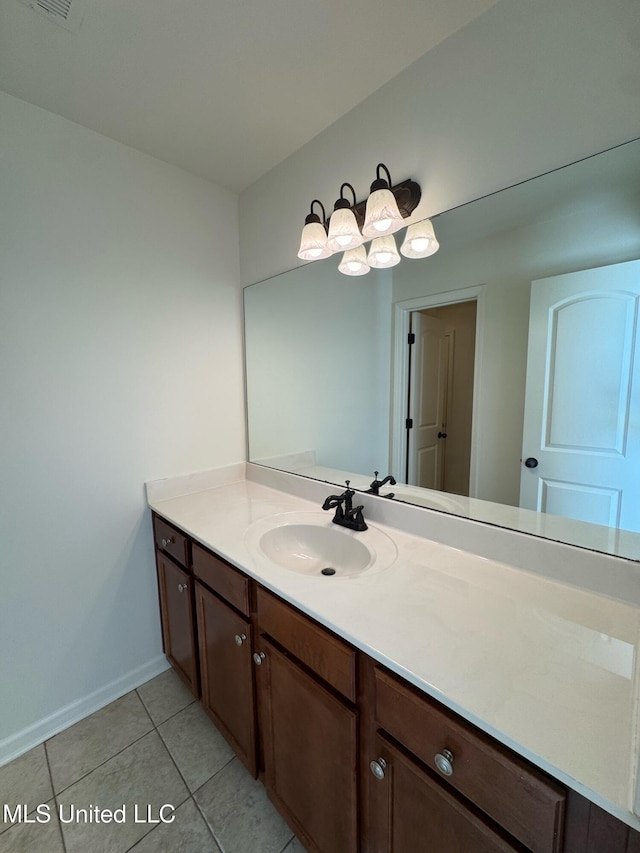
column 354, row 262
column 383, row 253
column 382, row 215
column 343, row 231
column 420, row 240
column 313, row 243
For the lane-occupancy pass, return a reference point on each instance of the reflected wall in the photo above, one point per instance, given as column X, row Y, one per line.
column 318, row 368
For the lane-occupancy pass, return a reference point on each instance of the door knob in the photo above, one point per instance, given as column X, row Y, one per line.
column 442, row 435
column 531, row 462
column 258, row 657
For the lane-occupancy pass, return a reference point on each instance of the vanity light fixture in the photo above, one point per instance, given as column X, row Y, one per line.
column 420, row 240
column 354, row 262
column 344, row 232
column 383, row 252
column 382, row 215
column 313, row 243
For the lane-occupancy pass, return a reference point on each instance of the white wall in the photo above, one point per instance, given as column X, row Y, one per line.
column 530, row 85
column 120, row 362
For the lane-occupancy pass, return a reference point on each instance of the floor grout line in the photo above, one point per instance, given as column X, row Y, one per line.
column 55, row 797
column 170, row 717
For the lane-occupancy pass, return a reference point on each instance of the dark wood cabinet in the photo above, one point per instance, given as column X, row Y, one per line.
column 226, row 672
column 178, row 623
column 309, row 725
column 310, row 753
column 413, row 811
column 347, row 749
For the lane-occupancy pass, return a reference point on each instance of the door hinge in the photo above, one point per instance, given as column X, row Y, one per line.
column 409, row 423
column 411, row 338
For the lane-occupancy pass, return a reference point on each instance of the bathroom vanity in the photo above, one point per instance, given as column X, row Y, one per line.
column 429, row 699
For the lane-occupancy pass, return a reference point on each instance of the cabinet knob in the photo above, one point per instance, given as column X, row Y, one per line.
column 378, row 768
column 444, row 762
column 166, row 542
column 240, row 638
column 182, row 587
column 258, row 657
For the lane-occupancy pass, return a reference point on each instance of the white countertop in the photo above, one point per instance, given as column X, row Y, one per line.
column 547, row 668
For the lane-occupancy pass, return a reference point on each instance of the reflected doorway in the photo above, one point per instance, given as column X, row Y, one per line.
column 402, row 317
column 441, row 367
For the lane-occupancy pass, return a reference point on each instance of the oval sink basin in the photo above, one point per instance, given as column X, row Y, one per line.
column 310, row 544
column 309, row 548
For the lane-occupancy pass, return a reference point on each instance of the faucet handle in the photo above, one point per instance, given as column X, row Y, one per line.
column 358, row 519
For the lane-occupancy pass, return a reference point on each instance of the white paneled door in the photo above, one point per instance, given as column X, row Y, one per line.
column 428, row 387
column 581, row 441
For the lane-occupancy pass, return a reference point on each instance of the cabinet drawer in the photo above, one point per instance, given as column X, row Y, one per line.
column 330, row 658
column 522, row 799
column 222, row 578
column 171, row 540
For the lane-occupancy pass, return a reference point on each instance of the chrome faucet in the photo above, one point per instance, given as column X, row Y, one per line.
column 346, row 515
column 374, row 488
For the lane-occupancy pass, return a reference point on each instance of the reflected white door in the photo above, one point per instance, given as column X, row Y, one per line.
column 582, row 405
column 428, row 400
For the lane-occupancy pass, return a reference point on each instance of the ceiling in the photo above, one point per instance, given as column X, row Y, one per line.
column 224, row 88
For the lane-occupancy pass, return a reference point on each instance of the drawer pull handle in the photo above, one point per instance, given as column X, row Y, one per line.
column 444, row 762
column 166, row 542
column 182, row 587
column 240, row 638
column 258, row 657
column 378, row 767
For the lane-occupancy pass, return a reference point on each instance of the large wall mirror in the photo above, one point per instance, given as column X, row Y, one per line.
column 498, row 379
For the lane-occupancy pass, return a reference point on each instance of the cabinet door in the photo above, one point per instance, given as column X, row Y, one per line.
column 412, row 811
column 176, row 608
column 310, row 753
column 226, row 673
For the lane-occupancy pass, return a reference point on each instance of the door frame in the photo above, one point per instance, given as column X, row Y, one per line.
column 400, row 373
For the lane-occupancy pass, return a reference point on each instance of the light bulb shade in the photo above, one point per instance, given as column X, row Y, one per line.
column 420, row 240
column 382, row 215
column 383, row 253
column 313, row 243
column 354, row 262
column 343, row 231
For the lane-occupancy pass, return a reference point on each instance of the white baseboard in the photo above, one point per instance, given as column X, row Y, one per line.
column 38, row 732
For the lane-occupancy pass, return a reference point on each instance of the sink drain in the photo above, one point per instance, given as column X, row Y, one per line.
column 328, row 571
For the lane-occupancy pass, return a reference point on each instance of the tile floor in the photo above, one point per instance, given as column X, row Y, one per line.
column 152, row 747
